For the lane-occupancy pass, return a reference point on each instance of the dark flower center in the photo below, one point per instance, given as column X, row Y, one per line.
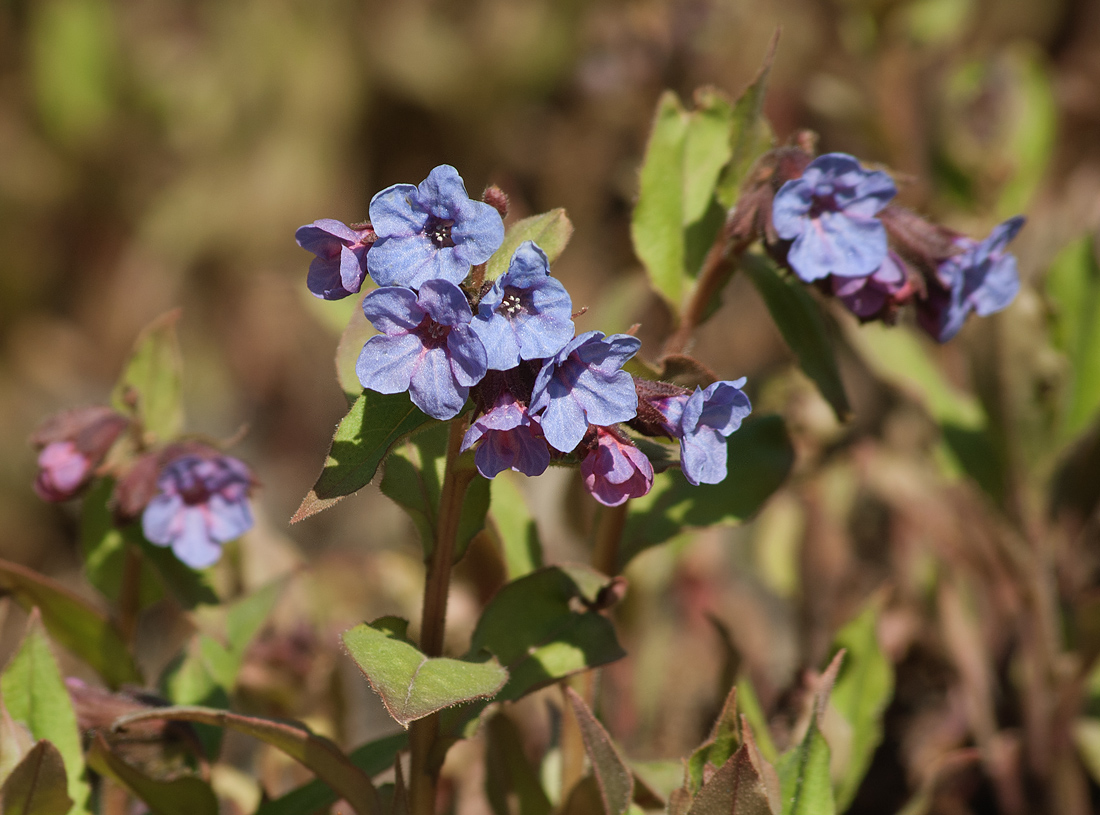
column 513, row 302
column 432, row 334
column 194, row 492
column 438, row 231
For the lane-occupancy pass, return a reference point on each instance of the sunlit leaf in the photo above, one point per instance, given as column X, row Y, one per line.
column 799, row 319
column 316, row 753
column 657, row 225
column 188, row 795
column 724, row 741
column 804, row 776
column 533, row 626
column 551, row 231
column 759, row 458
column 35, row 694
column 411, row 684
column 375, row 423
column 72, row 622
column 707, row 148
column 615, row 779
column 753, row 714
column 1073, row 286
column 36, row 785
column 151, row 384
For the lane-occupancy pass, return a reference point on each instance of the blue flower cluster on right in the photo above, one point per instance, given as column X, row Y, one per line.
column 540, row 391
column 835, row 225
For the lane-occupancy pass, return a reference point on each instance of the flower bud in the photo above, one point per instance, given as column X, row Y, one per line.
column 71, row 445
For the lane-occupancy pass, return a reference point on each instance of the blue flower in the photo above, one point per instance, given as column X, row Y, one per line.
column 829, row 213
column 615, row 470
column 509, row 438
column 867, row 297
column 430, row 232
column 527, row 314
column 981, row 278
column 202, row 503
column 702, row 421
column 583, row 384
column 341, row 262
column 426, row 346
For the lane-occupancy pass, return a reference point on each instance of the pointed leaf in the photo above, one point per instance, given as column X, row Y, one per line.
column 615, row 780
column 188, row 795
column 509, row 777
column 15, row 742
column 750, row 134
column 724, row 741
column 707, row 148
column 37, row 784
column 411, row 684
column 737, row 788
column 151, row 384
column 551, row 231
column 372, row 758
column 657, row 224
column 759, row 458
column 533, row 627
column 804, row 776
column 514, row 528
column 800, row 321
column 753, row 719
column 375, row 423
column 72, row 622
column 316, row 753
column 35, row 695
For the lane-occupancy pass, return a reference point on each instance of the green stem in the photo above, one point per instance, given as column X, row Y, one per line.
column 425, row 760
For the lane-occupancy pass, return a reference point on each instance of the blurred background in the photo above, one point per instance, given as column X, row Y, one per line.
column 160, row 154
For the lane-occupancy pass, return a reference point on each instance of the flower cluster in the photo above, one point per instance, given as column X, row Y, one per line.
column 188, row 495
column 832, row 222
column 541, row 393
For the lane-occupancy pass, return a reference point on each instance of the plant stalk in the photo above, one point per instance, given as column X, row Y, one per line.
column 129, row 596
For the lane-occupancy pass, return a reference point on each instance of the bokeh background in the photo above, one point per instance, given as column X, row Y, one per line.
column 158, row 155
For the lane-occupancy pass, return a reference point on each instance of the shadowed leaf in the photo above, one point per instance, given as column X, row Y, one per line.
column 514, row 528
column 36, row 785
column 188, row 795
column 508, row 775
column 614, row 778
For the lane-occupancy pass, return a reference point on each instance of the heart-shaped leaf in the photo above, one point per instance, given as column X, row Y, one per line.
column 551, row 231
column 411, row 684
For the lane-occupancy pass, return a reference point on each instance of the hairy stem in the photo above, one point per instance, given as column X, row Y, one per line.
column 425, row 762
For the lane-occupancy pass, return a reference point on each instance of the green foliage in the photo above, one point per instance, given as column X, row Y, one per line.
column 800, row 321
column 414, row 481
column 862, row 691
column 533, row 627
column 72, row 622
column 724, row 741
column 508, row 774
column 514, row 528
column 15, row 742
column 738, row 787
column 550, row 230
column 187, row 795
column 375, row 423
column 615, row 780
column 151, row 384
column 35, row 694
column 36, row 785
column 104, row 548
column 316, row 753
column 411, row 684
column 1073, row 288
column 804, row 776
column 759, row 458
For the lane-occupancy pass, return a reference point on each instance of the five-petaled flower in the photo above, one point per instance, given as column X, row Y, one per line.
column 426, row 346
column 510, row 439
column 584, row 384
column 867, row 297
column 201, row 503
column 702, row 421
column 980, row 278
column 430, row 232
column 829, row 213
column 527, row 314
column 615, row 469
column 341, row 262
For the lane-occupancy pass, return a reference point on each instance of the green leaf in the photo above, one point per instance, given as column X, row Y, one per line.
column 738, row 787
column 724, row 741
column 15, row 742
column 804, row 776
column 707, row 148
column 104, row 548
column 657, row 224
column 187, row 795
column 1073, row 287
column 615, row 779
column 411, row 684
column 73, row 622
column 509, row 777
column 414, row 481
column 36, row 786
column 802, row 325
column 551, row 231
column 753, row 715
column 760, row 456
column 514, row 527
column 750, row 134
column 35, row 695
column 375, row 423
column 656, row 780
column 371, row 758
column 151, row 384
column 861, row 693
column 533, row 627
column 316, row 753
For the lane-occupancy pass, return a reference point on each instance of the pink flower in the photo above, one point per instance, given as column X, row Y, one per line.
column 615, row 469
